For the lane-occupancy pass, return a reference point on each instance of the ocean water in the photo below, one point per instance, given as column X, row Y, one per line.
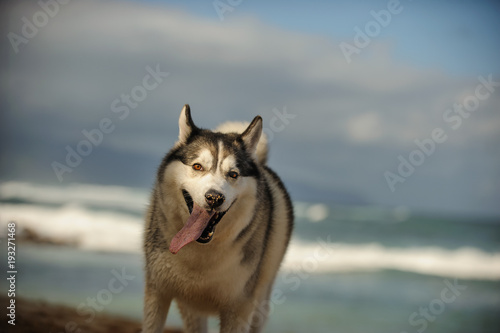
column 348, row 269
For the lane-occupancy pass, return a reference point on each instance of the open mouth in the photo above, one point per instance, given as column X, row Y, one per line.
column 208, row 232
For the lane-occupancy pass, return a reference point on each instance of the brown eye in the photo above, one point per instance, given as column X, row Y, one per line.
column 233, row 174
column 197, row 167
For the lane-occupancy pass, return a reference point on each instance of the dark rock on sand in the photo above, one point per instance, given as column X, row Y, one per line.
column 43, row 317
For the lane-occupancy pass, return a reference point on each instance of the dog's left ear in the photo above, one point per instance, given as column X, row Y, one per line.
column 186, row 124
column 252, row 134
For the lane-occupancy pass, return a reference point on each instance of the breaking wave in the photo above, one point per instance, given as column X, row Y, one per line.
column 98, row 218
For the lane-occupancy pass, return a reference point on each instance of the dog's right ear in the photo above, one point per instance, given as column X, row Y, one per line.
column 252, row 134
column 186, row 124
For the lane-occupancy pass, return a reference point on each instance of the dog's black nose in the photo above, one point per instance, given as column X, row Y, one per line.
column 214, row 199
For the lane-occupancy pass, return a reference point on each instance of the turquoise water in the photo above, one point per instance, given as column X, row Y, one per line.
column 380, row 301
column 380, row 270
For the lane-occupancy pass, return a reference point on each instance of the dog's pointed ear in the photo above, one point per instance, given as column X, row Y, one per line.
column 252, row 134
column 186, row 124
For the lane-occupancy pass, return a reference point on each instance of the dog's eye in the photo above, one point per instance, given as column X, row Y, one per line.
column 197, row 167
column 233, row 174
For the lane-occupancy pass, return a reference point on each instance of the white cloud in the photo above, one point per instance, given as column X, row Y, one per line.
column 100, row 50
column 93, row 51
column 365, row 127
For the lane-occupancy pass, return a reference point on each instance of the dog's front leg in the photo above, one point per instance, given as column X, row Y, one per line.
column 156, row 306
column 193, row 321
column 237, row 319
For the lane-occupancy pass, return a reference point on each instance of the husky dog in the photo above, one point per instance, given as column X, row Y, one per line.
column 218, row 226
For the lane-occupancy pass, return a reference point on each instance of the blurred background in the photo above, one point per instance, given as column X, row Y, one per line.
column 384, row 122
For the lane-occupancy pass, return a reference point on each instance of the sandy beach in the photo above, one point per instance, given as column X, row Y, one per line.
column 43, row 317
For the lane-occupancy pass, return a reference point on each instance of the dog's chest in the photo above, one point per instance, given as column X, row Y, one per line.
column 208, row 278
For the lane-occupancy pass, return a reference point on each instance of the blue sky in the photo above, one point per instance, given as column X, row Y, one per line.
column 352, row 120
column 457, row 36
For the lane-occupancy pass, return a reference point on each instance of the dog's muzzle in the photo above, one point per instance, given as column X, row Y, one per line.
column 214, row 200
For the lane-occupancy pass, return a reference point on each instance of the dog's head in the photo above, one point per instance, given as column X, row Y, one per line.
column 212, row 171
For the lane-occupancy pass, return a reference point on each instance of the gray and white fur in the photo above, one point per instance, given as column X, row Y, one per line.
column 229, row 271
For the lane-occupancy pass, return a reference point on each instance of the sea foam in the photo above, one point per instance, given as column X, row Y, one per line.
column 91, row 217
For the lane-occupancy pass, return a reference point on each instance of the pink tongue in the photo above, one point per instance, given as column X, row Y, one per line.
column 192, row 230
